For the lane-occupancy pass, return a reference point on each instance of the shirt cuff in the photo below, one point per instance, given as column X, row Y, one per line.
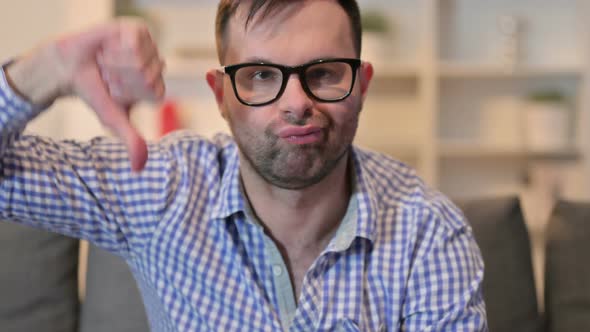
column 11, row 101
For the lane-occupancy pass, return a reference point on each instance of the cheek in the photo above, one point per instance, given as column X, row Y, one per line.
column 233, row 111
column 246, row 122
column 346, row 116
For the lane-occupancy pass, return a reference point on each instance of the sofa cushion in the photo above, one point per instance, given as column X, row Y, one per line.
column 38, row 280
column 567, row 272
column 508, row 286
column 112, row 302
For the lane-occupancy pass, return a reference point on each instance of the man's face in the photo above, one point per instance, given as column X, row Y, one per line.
column 295, row 141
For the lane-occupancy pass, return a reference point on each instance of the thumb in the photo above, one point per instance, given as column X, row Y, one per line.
column 92, row 89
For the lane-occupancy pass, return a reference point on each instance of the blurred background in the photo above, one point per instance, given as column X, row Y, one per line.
column 483, row 98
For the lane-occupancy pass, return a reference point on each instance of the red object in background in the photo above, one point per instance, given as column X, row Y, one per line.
column 169, row 120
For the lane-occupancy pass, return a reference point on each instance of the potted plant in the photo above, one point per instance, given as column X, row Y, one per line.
column 376, row 36
column 547, row 121
column 129, row 8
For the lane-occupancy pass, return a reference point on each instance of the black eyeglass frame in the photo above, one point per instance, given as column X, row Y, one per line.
column 286, row 71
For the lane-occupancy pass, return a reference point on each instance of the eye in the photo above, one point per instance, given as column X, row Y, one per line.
column 263, row 75
column 318, row 74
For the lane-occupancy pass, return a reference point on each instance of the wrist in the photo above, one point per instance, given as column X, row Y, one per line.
column 37, row 77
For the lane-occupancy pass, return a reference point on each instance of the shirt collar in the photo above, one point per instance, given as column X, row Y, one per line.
column 360, row 218
column 366, row 198
column 230, row 199
column 362, row 223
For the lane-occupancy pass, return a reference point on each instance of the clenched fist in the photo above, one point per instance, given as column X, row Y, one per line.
column 111, row 67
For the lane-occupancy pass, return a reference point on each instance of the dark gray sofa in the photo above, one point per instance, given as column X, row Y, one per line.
column 38, row 276
column 567, row 268
column 509, row 286
column 39, row 286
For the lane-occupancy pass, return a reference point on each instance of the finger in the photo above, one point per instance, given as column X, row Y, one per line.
column 133, row 49
column 116, row 88
column 112, row 115
column 116, row 57
column 160, row 90
column 133, row 84
column 154, row 80
column 146, row 46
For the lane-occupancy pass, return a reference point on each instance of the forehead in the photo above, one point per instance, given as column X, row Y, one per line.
column 293, row 34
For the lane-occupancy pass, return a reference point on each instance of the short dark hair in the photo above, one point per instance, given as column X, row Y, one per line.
column 227, row 8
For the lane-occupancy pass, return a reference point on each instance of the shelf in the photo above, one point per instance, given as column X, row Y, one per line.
column 396, row 71
column 477, row 151
column 459, row 70
column 403, row 151
column 182, row 68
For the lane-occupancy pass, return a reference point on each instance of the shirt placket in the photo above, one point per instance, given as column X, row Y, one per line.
column 283, row 287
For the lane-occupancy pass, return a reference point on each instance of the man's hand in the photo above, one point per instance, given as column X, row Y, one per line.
column 110, row 67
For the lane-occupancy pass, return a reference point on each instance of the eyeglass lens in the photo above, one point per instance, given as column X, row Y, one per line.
column 326, row 81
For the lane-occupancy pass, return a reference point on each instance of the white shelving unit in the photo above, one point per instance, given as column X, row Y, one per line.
column 472, row 79
column 459, row 74
column 478, row 71
column 430, row 97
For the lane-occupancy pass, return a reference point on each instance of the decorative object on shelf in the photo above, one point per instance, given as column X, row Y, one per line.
column 129, row 8
column 510, row 27
column 547, row 122
column 168, row 118
column 195, row 52
column 376, row 36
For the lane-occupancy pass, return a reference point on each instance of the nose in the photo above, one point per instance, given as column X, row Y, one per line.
column 295, row 103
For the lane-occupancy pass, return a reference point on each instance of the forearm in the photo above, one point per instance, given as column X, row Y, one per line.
column 82, row 190
column 36, row 77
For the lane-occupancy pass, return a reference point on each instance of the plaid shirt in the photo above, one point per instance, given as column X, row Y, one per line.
column 407, row 261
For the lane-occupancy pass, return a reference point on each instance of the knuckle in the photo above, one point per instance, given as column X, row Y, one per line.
column 141, row 62
column 141, row 35
column 150, row 80
column 152, row 73
column 161, row 90
column 131, row 37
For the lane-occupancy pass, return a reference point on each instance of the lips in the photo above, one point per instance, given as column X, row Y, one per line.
column 301, row 135
column 298, row 131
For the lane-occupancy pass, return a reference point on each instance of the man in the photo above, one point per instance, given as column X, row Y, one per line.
column 285, row 226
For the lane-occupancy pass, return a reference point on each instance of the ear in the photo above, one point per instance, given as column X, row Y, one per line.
column 365, row 76
column 215, row 81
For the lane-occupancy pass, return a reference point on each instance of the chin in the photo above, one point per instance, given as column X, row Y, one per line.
column 299, row 173
column 293, row 182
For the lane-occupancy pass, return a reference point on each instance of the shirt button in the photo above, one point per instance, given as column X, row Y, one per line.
column 277, row 270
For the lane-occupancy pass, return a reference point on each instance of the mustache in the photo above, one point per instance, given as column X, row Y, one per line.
column 317, row 119
column 297, row 122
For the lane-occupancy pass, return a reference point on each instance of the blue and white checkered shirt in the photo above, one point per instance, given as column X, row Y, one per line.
column 404, row 260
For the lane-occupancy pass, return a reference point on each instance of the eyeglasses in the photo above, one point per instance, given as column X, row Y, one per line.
column 259, row 84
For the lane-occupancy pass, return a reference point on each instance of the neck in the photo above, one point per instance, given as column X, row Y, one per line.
column 301, row 218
